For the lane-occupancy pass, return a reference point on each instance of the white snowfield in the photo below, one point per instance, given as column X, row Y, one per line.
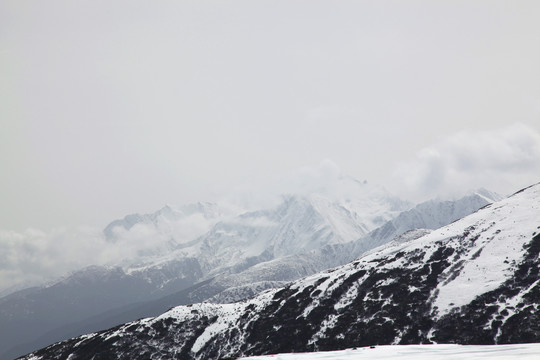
column 418, row 352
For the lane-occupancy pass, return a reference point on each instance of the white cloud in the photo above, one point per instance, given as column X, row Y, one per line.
column 501, row 160
column 321, row 178
column 259, row 221
column 32, row 257
column 325, row 178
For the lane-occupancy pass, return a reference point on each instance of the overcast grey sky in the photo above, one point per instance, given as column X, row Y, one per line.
column 114, row 107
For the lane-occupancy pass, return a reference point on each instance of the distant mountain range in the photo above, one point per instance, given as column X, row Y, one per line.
column 473, row 281
column 206, row 252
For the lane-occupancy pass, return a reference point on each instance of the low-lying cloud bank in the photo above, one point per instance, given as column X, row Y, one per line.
column 33, row 257
column 501, row 160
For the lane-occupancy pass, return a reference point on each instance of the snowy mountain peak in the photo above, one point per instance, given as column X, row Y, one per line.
column 301, row 223
column 489, row 196
column 168, row 213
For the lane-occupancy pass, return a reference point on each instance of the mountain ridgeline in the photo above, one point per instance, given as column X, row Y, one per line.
column 474, row 281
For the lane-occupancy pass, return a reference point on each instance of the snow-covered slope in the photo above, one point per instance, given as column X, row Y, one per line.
column 473, row 281
column 431, row 214
column 417, row 352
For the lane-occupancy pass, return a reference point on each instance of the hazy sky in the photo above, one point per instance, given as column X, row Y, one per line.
column 114, row 107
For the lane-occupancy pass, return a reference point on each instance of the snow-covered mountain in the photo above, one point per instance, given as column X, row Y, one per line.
column 148, row 237
column 179, row 246
column 431, row 214
column 475, row 281
column 297, row 225
column 244, row 255
column 238, row 258
column 168, row 220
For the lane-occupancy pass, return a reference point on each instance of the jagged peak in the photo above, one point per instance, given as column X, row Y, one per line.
column 488, row 195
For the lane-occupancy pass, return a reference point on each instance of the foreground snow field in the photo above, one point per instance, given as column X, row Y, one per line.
column 417, row 352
